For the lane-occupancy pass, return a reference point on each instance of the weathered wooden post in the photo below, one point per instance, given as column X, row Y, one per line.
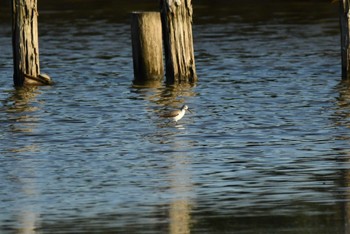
column 178, row 40
column 25, row 44
column 147, row 46
column 344, row 13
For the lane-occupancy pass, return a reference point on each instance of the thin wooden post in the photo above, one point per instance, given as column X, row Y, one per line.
column 178, row 40
column 147, row 46
column 344, row 13
column 25, row 44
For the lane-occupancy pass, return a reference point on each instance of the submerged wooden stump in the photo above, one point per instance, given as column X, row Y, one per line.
column 178, row 40
column 25, row 44
column 147, row 46
column 344, row 13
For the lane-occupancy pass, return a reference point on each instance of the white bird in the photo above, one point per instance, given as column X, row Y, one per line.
column 176, row 115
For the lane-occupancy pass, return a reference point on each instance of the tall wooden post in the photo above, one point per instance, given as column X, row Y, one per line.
column 147, row 46
column 344, row 13
column 25, row 44
column 178, row 40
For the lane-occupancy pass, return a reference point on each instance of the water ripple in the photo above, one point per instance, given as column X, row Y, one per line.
column 267, row 140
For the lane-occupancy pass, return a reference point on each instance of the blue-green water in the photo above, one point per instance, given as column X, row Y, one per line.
column 266, row 149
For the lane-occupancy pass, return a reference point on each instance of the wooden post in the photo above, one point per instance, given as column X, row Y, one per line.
column 344, row 13
column 25, row 44
column 178, row 40
column 147, row 46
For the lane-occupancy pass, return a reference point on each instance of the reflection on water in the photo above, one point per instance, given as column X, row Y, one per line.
column 20, row 118
column 342, row 119
column 19, row 109
column 265, row 151
column 182, row 189
column 179, row 161
column 164, row 98
column 343, row 102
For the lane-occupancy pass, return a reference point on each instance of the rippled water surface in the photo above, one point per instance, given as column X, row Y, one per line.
column 266, row 149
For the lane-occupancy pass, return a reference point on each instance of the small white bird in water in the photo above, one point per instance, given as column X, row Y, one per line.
column 176, row 115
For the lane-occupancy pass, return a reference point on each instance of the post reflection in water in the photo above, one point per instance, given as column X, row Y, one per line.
column 342, row 119
column 20, row 108
column 28, row 219
column 179, row 171
column 164, row 97
column 181, row 187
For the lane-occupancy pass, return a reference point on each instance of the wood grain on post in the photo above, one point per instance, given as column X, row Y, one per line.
column 344, row 13
column 178, row 40
column 25, row 44
column 147, row 46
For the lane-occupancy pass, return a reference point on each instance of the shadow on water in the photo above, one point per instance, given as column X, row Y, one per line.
column 206, row 11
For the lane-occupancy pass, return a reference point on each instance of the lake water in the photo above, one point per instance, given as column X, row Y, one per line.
column 266, row 149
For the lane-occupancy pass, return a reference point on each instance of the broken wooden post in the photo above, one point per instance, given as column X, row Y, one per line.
column 25, row 44
column 344, row 13
column 178, row 40
column 147, row 46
